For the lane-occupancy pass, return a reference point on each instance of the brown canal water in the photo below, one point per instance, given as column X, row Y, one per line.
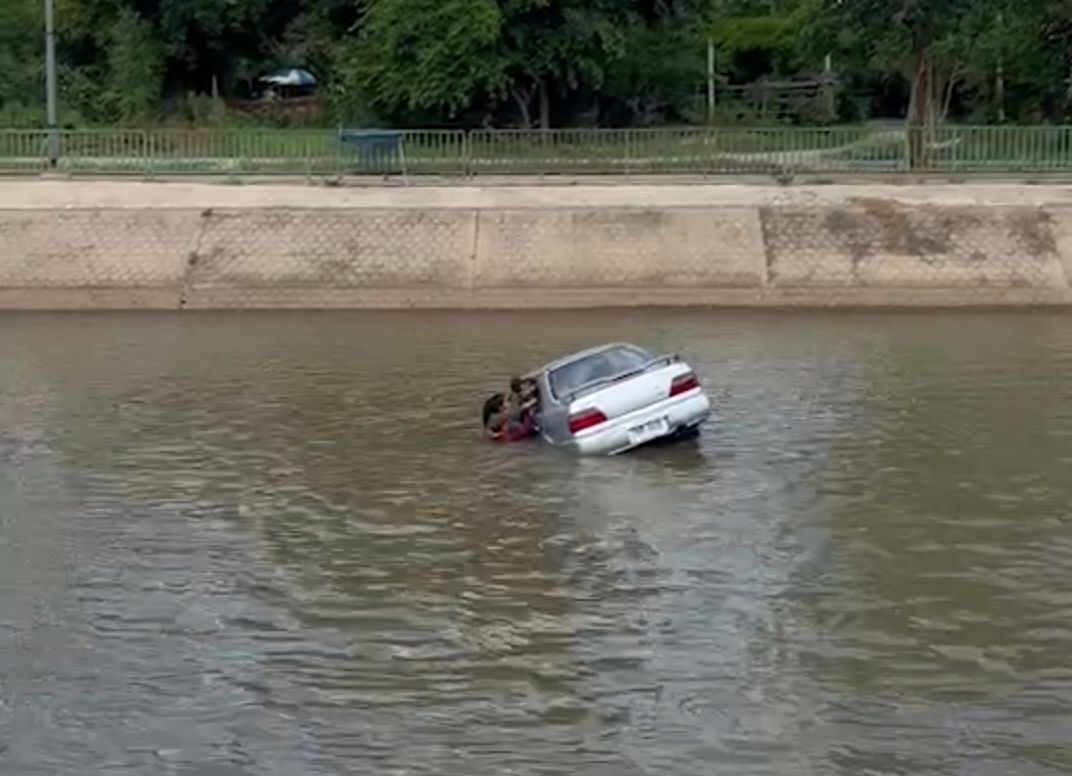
column 274, row 544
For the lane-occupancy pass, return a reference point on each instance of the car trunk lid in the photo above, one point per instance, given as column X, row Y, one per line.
column 630, row 392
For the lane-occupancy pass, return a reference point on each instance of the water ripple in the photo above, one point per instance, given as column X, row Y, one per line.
column 273, row 544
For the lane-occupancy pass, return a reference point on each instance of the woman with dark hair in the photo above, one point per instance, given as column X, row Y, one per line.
column 492, row 416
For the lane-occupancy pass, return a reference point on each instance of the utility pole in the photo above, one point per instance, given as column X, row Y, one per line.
column 50, row 81
column 710, row 81
column 828, row 89
column 999, row 81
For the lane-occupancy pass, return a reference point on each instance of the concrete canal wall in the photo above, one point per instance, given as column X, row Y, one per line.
column 116, row 244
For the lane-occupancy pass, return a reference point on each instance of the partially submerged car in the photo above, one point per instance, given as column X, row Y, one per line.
column 615, row 397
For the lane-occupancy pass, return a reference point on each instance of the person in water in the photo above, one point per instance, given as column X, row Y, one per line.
column 494, row 415
column 520, row 401
column 511, row 415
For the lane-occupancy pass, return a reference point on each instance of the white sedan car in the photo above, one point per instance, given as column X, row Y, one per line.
column 613, row 398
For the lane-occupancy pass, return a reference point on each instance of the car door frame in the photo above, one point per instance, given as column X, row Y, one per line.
column 553, row 417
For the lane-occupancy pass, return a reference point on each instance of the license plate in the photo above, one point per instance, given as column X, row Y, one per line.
column 650, row 430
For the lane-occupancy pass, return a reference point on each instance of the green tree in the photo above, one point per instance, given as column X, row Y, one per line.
column 21, row 48
column 658, row 77
column 921, row 41
column 435, row 56
column 1057, row 36
column 206, row 40
column 542, row 61
column 926, row 42
column 444, row 56
column 558, row 46
column 1007, row 69
column 135, row 68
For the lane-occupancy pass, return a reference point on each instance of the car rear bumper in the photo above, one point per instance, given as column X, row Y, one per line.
column 616, row 436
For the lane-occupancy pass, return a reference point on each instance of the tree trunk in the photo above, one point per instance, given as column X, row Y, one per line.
column 920, row 111
column 950, row 87
column 1067, row 94
column 545, row 105
column 523, row 98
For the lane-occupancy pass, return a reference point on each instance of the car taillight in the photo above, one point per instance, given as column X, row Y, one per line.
column 683, row 384
column 586, row 419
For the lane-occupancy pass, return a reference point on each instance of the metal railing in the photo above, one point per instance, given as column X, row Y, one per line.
column 697, row 151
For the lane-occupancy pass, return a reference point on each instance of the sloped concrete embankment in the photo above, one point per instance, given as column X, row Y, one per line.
column 856, row 250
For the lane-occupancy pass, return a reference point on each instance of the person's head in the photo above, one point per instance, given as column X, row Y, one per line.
column 516, row 385
column 492, row 406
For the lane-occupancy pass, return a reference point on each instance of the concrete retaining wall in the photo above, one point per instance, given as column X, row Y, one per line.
column 149, row 245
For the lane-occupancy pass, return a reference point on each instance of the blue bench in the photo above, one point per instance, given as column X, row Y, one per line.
column 376, row 151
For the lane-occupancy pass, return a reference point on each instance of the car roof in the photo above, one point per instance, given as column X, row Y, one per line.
column 560, row 362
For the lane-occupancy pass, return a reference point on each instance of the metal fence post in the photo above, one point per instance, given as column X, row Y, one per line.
column 907, row 148
column 147, row 149
column 307, row 158
column 467, row 167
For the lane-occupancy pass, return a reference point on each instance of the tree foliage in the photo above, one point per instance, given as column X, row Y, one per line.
column 135, row 68
column 543, row 62
column 20, row 61
column 427, row 56
column 559, row 46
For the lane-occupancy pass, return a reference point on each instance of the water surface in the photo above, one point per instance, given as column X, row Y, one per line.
column 274, row 544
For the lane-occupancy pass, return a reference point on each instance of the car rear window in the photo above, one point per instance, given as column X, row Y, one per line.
column 601, row 365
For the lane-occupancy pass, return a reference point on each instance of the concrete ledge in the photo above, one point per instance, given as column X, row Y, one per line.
column 568, row 298
column 89, row 298
column 624, row 248
column 884, row 243
column 815, row 297
column 1060, row 227
column 615, row 246
column 641, row 193
column 325, row 298
column 363, row 248
column 100, row 248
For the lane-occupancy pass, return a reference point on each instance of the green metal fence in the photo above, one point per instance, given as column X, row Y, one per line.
column 701, row 151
